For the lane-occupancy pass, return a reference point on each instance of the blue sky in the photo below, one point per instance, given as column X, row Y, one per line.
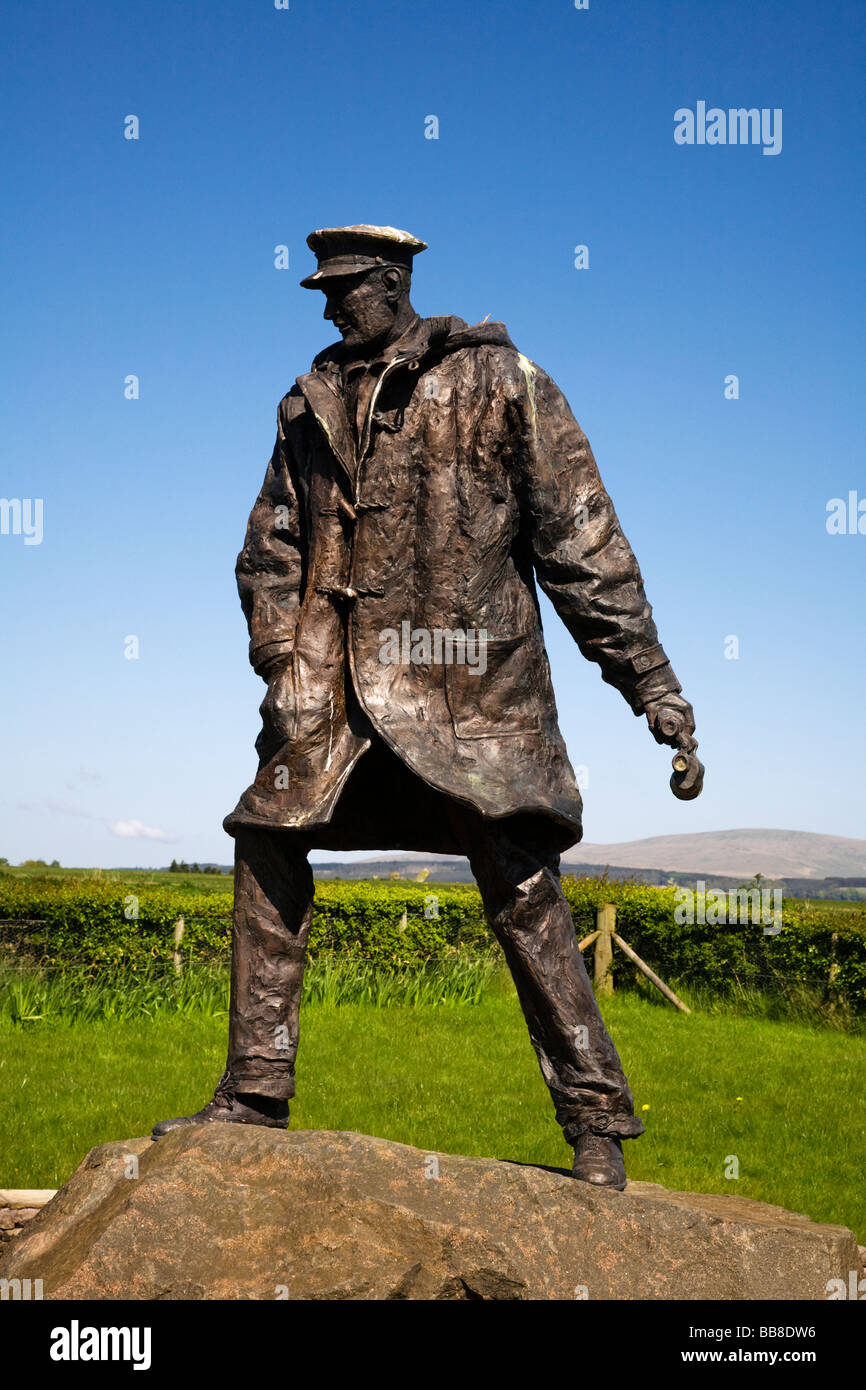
column 155, row 257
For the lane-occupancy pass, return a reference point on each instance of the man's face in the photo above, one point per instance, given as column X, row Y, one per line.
column 362, row 307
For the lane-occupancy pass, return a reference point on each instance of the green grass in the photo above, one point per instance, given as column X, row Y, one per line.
column 462, row 1079
column 135, row 878
column 31, row 996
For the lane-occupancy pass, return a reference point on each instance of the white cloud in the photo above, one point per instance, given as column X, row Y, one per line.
column 135, row 830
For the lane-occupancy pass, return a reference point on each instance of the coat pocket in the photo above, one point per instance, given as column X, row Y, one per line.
column 500, row 694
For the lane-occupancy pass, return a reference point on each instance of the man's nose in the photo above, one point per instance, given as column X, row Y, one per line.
column 329, row 309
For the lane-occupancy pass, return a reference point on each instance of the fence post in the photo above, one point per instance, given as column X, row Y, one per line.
column 178, row 938
column 834, row 971
column 605, row 920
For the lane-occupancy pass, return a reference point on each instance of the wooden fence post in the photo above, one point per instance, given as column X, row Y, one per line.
column 605, row 920
column 178, row 938
column 834, row 971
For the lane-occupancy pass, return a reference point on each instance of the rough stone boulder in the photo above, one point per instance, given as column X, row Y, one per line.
column 230, row 1212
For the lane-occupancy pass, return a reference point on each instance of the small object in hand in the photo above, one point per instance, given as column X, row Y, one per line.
column 687, row 778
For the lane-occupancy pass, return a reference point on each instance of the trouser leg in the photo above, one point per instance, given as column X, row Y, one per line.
column 272, row 914
column 529, row 915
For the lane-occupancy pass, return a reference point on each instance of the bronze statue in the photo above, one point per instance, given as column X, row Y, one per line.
column 425, row 475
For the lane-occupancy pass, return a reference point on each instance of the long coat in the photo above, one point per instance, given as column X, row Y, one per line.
column 470, row 481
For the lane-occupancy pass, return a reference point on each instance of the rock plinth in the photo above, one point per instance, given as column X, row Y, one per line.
column 234, row 1212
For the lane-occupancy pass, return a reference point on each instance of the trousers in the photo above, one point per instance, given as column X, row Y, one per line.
column 518, row 877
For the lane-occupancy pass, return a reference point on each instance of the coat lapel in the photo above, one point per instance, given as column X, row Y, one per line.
column 326, row 403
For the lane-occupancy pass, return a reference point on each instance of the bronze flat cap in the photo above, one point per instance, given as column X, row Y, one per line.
column 349, row 250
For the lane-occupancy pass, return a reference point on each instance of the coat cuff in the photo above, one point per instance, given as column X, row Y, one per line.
column 652, row 687
column 652, row 677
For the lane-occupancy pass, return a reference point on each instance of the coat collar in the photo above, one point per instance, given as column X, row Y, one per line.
column 322, row 389
column 337, row 358
column 421, row 341
column 412, row 340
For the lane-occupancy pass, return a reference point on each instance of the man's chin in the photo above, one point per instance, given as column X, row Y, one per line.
column 356, row 341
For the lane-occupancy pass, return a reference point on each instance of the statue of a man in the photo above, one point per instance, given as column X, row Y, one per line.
column 425, row 476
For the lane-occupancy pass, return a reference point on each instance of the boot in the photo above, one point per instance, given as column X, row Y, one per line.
column 598, row 1159
column 227, row 1107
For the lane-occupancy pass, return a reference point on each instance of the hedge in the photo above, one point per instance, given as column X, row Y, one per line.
column 87, row 924
column 814, row 942
column 74, row 923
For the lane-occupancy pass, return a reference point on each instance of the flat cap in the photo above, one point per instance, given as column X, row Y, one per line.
column 349, row 250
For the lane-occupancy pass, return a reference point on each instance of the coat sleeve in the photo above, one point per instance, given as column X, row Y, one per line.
column 270, row 568
column 581, row 558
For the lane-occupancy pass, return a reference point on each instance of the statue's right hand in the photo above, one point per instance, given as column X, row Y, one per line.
column 672, row 720
column 278, row 662
column 278, row 707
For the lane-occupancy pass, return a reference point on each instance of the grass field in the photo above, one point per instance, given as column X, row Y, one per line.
column 135, row 878
column 784, row 1099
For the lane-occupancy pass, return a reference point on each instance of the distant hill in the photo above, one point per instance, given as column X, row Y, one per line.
column 773, row 853
column 722, row 857
column 435, row 868
column 809, row 865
